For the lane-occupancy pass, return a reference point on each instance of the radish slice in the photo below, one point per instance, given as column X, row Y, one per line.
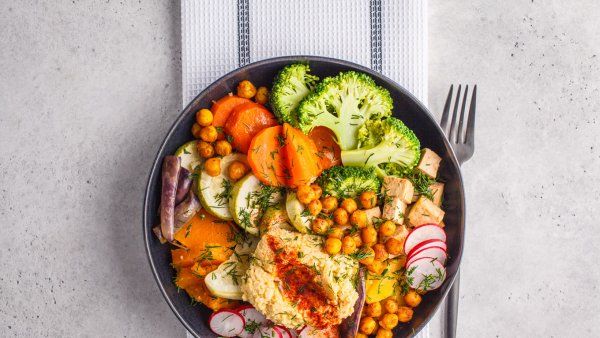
column 423, row 233
column 425, row 274
column 226, row 323
column 252, row 318
column 427, row 244
column 285, row 333
column 418, row 226
column 434, row 253
column 268, row 332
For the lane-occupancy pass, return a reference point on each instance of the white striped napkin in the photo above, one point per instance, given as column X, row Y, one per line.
column 387, row 35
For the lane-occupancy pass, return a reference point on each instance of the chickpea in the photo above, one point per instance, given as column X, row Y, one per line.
column 333, row 245
column 340, row 216
column 389, row 321
column 380, row 253
column 368, row 325
column 237, row 170
column 314, row 207
column 205, row 149
column 212, row 166
column 320, row 226
column 376, row 267
column 209, row 134
column 374, row 309
column 390, row 305
column 361, row 335
column 357, row 239
column 262, row 95
column 394, row 246
column 223, row 148
column 204, row 117
column 336, row 232
column 246, row 89
column 318, row 191
column 348, row 245
column 305, row 194
column 405, row 314
column 368, row 236
column 384, row 333
column 369, row 256
column 359, row 219
column 349, row 204
column 330, row 203
column 412, row 298
column 368, row 199
column 387, row 228
column 196, row 130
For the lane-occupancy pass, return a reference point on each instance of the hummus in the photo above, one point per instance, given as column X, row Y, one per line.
column 294, row 283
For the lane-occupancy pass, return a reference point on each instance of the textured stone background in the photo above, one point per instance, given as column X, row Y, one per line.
column 88, row 90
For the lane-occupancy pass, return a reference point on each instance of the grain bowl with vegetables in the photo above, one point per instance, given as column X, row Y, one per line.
column 304, row 208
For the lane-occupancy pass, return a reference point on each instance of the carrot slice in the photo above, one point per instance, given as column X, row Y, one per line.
column 245, row 121
column 328, row 149
column 223, row 107
column 204, row 229
column 266, row 156
column 302, row 158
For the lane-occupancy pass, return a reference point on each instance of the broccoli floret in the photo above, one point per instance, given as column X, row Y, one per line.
column 343, row 103
column 342, row 182
column 387, row 145
column 291, row 85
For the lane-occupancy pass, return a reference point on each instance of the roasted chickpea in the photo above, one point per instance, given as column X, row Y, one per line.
column 349, row 204
column 246, row 89
column 389, row 321
column 380, row 253
column 404, row 314
column 394, row 246
column 368, row 236
column 369, row 256
column 305, row 194
column 223, row 148
column 387, row 228
column 320, row 226
column 376, row 267
column 212, row 166
column 204, row 117
column 357, row 239
column 368, row 325
column 336, row 232
column 348, row 245
column 359, row 219
column 333, row 245
column 412, row 298
column 208, row 134
column 262, row 95
column 368, row 199
column 384, row 333
column 237, row 170
column 314, row 207
column 196, row 128
column 205, row 149
column 340, row 216
column 317, row 189
column 330, row 203
column 361, row 335
column 390, row 305
column 374, row 309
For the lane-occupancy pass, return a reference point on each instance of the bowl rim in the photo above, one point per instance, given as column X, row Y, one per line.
column 298, row 58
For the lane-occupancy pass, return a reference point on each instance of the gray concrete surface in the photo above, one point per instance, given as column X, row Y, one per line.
column 88, row 89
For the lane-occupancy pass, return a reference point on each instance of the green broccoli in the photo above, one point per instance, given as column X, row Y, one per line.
column 343, row 103
column 291, row 85
column 387, row 145
column 342, row 182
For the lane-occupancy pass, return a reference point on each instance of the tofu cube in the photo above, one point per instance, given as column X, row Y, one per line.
column 429, row 163
column 437, row 191
column 372, row 214
column 398, row 187
column 425, row 211
column 393, row 210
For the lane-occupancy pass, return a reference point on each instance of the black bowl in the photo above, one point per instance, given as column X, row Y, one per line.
column 406, row 107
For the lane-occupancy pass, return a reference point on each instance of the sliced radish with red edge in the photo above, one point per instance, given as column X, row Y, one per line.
column 226, row 323
column 427, row 244
column 253, row 318
column 433, row 252
column 268, row 331
column 285, row 333
column 425, row 274
column 423, row 233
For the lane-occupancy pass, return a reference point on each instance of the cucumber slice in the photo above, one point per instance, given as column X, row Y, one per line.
column 300, row 219
column 249, row 200
column 215, row 191
column 188, row 153
column 226, row 279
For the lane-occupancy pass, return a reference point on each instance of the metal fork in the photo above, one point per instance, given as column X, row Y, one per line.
column 463, row 143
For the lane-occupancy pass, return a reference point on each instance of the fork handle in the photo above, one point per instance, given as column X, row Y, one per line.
column 452, row 307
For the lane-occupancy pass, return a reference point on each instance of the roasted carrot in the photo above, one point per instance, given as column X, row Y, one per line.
column 328, row 149
column 245, row 121
column 223, row 107
column 266, row 156
column 301, row 156
column 204, row 228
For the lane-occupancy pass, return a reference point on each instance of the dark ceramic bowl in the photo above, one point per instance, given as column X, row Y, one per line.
column 406, row 107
